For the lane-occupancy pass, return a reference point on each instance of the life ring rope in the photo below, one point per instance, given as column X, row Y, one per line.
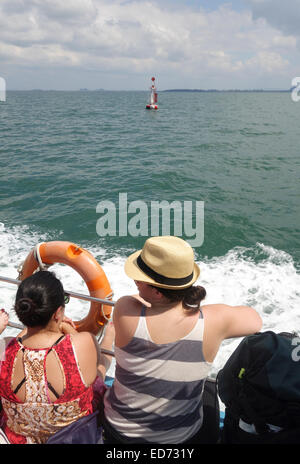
column 108, row 297
column 42, row 266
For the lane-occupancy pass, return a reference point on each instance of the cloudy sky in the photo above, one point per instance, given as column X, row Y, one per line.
column 120, row 44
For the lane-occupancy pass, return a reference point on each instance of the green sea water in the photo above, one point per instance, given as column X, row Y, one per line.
column 63, row 153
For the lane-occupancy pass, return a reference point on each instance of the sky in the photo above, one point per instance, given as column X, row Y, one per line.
column 121, row 44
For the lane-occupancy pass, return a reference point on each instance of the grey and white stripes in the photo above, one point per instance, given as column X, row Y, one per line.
column 157, row 393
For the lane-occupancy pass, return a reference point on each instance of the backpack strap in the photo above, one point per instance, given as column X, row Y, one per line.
column 258, row 422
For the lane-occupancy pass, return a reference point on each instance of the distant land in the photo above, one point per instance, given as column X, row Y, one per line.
column 230, row 90
column 160, row 91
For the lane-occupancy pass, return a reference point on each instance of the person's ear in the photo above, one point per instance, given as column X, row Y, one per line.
column 59, row 314
column 157, row 293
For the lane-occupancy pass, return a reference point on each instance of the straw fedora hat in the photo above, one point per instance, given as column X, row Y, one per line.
column 166, row 262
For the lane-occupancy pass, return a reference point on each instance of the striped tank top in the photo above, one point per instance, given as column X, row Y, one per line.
column 157, row 393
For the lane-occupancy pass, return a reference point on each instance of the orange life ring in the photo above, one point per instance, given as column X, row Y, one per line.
column 88, row 268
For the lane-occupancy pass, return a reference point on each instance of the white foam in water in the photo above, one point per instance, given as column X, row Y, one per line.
column 271, row 286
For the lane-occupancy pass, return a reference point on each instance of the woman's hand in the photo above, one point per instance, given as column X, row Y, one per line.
column 3, row 320
column 69, row 321
column 67, row 326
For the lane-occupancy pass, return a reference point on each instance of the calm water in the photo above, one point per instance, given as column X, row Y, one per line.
column 61, row 153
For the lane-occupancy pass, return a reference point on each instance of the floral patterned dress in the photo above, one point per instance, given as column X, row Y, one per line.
column 35, row 419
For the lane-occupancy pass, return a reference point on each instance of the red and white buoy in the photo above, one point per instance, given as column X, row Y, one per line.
column 152, row 105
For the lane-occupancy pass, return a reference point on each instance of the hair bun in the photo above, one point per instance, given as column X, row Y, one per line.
column 193, row 297
column 26, row 305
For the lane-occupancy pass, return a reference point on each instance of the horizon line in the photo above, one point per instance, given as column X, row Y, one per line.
column 163, row 90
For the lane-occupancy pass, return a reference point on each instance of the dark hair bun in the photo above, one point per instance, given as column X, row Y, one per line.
column 37, row 299
column 193, row 297
column 26, row 305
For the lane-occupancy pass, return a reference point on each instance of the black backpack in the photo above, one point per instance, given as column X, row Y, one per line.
column 260, row 385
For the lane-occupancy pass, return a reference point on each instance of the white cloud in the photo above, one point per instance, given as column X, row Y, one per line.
column 269, row 62
column 184, row 45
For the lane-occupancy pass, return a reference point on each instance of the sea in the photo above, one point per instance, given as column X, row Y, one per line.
column 97, row 169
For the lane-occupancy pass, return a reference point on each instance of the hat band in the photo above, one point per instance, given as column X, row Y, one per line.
column 159, row 278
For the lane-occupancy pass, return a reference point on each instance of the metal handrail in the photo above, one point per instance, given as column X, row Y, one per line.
column 80, row 296
column 15, row 325
column 73, row 294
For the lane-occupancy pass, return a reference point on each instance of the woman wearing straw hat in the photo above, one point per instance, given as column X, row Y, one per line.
column 164, row 346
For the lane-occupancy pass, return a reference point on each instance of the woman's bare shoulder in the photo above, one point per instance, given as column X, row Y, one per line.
column 129, row 304
column 83, row 340
column 214, row 310
column 233, row 321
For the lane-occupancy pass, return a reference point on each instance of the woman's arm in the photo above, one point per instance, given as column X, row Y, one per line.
column 225, row 321
column 231, row 321
column 125, row 317
column 239, row 321
column 104, row 359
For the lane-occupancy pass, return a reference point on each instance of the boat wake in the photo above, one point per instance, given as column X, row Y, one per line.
column 260, row 276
